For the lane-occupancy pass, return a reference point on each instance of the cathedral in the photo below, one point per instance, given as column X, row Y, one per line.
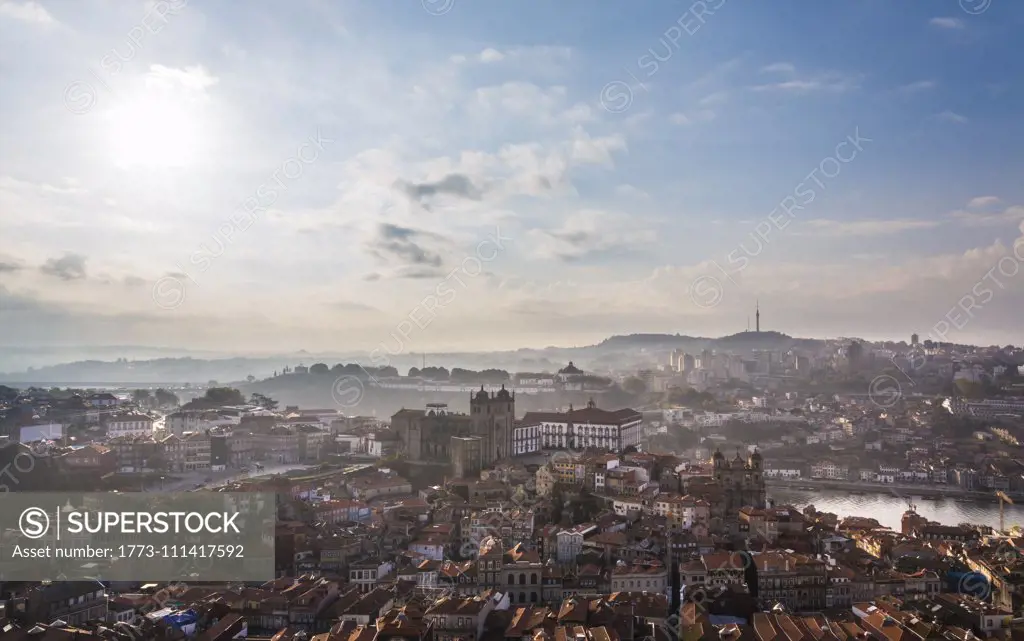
column 437, row 435
column 742, row 482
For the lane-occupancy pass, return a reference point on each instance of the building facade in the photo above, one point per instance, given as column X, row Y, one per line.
column 741, row 482
column 427, row 435
column 590, row 427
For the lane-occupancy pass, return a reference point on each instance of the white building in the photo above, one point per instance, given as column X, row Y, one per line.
column 129, row 424
column 829, row 470
column 525, row 439
column 42, row 432
column 782, row 470
column 591, row 426
column 570, row 542
column 180, row 422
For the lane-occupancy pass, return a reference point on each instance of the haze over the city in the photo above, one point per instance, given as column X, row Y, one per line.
column 211, row 176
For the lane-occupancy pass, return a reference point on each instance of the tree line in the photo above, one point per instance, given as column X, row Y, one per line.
column 455, row 375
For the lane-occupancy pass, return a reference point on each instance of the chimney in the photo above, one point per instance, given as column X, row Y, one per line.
column 787, row 564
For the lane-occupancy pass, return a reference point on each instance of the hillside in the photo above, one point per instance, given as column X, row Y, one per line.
column 624, row 351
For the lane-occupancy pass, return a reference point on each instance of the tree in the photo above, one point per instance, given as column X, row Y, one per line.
column 250, row 378
column 164, row 398
column 142, row 397
column 319, row 369
column 634, row 385
column 263, row 401
column 224, row 396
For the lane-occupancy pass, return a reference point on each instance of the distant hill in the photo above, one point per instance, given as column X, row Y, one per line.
column 620, row 351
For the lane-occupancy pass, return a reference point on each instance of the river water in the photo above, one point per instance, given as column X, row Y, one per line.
column 889, row 509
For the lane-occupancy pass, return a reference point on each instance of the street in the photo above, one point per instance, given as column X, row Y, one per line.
column 188, row 480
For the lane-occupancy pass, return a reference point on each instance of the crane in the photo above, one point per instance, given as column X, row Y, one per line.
column 1003, row 499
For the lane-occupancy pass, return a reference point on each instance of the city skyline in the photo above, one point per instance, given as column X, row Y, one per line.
column 490, row 178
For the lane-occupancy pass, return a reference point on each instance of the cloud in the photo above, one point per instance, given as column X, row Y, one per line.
column 530, row 103
column 68, row 267
column 980, row 202
column 840, row 229
column 692, row 118
column 351, row 306
column 8, row 266
column 946, row 23
column 134, row 281
column 629, row 191
column 491, row 55
column 846, row 293
column 779, row 67
column 949, row 116
column 832, row 81
column 456, row 185
column 915, row 87
column 411, row 253
column 974, row 217
column 589, row 233
column 31, row 12
column 194, row 81
column 716, row 98
column 535, row 55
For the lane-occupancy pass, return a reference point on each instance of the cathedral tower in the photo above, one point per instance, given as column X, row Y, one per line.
column 492, row 417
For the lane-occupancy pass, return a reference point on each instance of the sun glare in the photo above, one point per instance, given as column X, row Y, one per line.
column 155, row 131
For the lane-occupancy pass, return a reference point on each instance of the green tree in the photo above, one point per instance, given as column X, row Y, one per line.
column 634, row 385
column 142, row 397
column 263, row 401
column 164, row 398
column 223, row 396
column 319, row 368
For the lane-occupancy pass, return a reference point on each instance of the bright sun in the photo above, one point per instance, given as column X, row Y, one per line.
column 154, row 130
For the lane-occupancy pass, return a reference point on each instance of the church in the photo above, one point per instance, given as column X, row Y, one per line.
column 742, row 482
column 437, row 435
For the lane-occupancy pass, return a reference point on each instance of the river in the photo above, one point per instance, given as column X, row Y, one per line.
column 889, row 509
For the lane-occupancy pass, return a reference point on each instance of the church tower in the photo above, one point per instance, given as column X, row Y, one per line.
column 492, row 418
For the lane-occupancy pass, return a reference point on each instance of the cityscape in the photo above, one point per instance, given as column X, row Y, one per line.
column 538, row 321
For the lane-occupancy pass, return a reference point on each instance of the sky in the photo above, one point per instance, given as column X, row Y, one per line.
column 455, row 175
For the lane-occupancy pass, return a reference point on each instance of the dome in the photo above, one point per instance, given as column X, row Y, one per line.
column 482, row 394
column 756, row 456
column 503, row 394
column 718, row 455
column 570, row 369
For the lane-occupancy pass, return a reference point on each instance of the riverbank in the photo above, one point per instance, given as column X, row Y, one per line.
column 892, row 489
